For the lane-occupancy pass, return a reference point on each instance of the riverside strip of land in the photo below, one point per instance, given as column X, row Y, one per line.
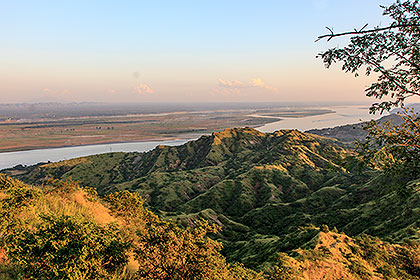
column 50, row 131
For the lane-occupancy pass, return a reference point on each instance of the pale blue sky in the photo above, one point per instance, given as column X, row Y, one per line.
column 183, row 51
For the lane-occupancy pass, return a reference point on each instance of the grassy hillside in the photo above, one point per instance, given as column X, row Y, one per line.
column 261, row 189
column 333, row 255
column 64, row 231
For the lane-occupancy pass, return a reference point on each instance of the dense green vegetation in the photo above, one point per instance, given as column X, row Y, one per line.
column 64, row 231
column 262, row 190
column 228, row 176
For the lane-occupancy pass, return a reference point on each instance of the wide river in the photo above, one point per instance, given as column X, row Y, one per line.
column 30, row 157
column 342, row 115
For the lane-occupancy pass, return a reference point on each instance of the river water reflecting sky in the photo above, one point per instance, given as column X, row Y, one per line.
column 342, row 115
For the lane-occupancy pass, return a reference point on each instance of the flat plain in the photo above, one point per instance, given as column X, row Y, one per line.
column 27, row 131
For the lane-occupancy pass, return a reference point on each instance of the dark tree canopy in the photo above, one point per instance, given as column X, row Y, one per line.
column 393, row 52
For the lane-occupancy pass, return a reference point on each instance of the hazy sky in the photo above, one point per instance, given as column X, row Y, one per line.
column 183, row 51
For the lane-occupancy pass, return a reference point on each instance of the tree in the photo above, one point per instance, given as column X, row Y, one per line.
column 395, row 149
column 393, row 52
column 163, row 250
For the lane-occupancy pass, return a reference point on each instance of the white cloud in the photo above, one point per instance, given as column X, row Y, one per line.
column 257, row 82
column 237, row 85
column 144, row 89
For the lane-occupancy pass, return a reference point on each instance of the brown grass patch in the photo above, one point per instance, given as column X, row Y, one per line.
column 99, row 212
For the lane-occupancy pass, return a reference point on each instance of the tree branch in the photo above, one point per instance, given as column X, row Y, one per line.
column 389, row 77
column 361, row 31
column 396, row 52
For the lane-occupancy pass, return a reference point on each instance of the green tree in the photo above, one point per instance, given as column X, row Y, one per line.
column 392, row 52
column 165, row 251
column 395, row 149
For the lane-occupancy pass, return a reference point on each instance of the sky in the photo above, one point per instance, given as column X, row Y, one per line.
column 177, row 51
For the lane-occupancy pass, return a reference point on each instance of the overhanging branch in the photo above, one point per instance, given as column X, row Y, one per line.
column 361, row 31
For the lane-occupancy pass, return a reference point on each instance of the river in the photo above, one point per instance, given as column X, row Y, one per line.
column 30, row 157
column 342, row 115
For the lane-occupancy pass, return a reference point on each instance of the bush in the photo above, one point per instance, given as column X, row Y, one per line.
column 65, row 248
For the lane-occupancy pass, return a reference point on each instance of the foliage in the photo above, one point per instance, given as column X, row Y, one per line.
column 284, row 269
column 337, row 256
column 395, row 149
column 239, row 272
column 168, row 252
column 40, row 242
column 61, row 247
column 163, row 250
column 260, row 195
column 125, row 203
column 391, row 52
column 15, row 197
column 57, row 232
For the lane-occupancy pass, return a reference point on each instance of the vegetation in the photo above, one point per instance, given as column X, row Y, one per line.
column 332, row 255
column 262, row 190
column 62, row 231
column 269, row 199
column 395, row 149
column 393, row 53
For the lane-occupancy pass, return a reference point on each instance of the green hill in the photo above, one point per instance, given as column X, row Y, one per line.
column 63, row 231
column 260, row 188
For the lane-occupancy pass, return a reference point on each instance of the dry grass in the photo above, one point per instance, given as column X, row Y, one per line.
column 95, row 209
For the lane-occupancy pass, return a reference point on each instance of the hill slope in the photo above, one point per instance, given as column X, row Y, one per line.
column 353, row 132
column 260, row 188
column 63, row 231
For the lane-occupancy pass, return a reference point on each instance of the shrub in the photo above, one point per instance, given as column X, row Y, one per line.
column 65, row 248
